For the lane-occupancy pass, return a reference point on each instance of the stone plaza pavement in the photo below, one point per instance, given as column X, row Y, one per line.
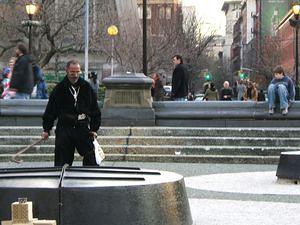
column 227, row 194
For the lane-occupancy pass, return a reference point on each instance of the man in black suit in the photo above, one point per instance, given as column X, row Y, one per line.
column 179, row 80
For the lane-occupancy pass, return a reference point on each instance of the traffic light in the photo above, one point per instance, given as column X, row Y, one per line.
column 207, row 76
column 242, row 75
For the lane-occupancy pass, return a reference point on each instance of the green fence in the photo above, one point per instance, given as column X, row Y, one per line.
column 54, row 78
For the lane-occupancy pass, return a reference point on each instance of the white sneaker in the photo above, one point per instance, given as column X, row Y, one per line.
column 271, row 111
column 285, row 111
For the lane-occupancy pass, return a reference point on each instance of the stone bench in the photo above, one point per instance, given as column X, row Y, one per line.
column 223, row 114
column 18, row 112
column 191, row 114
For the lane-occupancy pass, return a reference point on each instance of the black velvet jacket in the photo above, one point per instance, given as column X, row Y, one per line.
column 61, row 105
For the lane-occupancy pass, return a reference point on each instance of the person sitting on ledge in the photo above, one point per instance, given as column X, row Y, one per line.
column 283, row 87
column 226, row 92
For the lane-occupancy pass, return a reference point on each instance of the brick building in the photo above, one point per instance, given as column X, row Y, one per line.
column 161, row 13
column 286, row 36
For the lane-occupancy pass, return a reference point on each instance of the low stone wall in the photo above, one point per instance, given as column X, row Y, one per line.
column 223, row 114
column 189, row 114
column 18, row 112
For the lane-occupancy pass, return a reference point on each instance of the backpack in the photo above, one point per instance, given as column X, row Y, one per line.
column 37, row 73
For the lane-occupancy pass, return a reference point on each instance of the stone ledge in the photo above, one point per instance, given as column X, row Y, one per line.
column 185, row 114
column 19, row 107
column 221, row 109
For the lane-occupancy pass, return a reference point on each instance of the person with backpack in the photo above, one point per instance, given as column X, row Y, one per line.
column 40, row 84
column 211, row 94
column 94, row 82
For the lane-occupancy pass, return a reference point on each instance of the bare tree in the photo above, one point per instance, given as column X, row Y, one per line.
column 173, row 37
column 264, row 55
column 60, row 30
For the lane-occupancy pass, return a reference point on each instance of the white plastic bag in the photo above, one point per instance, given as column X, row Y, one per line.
column 34, row 92
column 99, row 154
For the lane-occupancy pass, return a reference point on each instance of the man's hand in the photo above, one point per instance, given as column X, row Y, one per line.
column 93, row 134
column 45, row 135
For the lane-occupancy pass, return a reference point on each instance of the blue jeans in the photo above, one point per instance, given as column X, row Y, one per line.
column 179, row 99
column 282, row 93
column 20, row 95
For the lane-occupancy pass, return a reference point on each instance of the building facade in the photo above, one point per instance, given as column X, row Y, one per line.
column 232, row 10
column 161, row 13
column 257, row 43
column 286, row 34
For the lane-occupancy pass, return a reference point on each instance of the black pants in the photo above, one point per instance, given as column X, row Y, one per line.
column 67, row 139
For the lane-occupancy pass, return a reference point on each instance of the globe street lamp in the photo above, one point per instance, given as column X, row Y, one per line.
column 112, row 31
column 294, row 22
column 31, row 8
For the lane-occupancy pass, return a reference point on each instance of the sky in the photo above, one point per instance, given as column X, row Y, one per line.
column 210, row 12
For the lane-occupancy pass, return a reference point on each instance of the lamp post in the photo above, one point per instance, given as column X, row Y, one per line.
column 86, row 40
column 112, row 31
column 294, row 22
column 145, row 68
column 31, row 8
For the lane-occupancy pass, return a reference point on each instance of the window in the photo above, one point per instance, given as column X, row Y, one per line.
column 149, row 12
column 168, row 13
column 235, row 6
column 140, row 11
column 161, row 12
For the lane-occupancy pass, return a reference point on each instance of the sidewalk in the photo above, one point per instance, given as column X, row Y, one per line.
column 227, row 194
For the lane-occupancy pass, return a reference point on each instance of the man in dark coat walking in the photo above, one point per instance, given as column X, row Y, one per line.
column 74, row 103
column 179, row 80
column 22, row 76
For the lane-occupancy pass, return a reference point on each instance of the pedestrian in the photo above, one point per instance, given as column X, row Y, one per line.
column 42, row 89
column 94, row 82
column 7, row 93
column 22, row 76
column 206, row 86
column 261, row 96
column 73, row 102
column 240, row 87
column 211, row 93
column 179, row 80
column 157, row 89
column 226, row 92
column 281, row 87
column 5, row 83
column 251, row 93
column 190, row 96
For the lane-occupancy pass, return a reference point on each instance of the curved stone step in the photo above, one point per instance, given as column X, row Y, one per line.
column 167, row 131
column 197, row 150
column 163, row 150
column 191, row 141
column 184, row 141
column 216, row 132
column 37, row 149
column 159, row 158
